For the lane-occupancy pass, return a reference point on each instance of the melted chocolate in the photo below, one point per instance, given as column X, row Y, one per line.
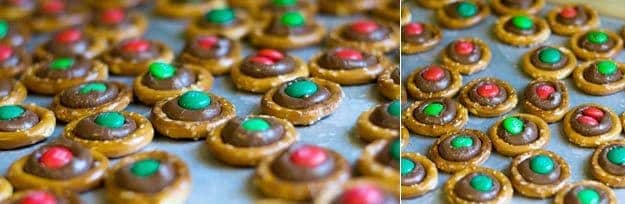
column 234, row 134
column 396, row 76
column 509, row 26
column 276, row 27
column 284, row 168
column 184, row 77
column 385, row 158
column 382, row 33
column 605, row 124
column 330, row 60
column 258, row 70
column 464, row 190
column 519, row 4
column 554, row 101
column 220, row 49
column 174, row 111
column 528, row 135
column 571, row 196
column 607, row 165
column 72, row 49
column 535, row 59
column 432, row 86
column 28, row 120
column 81, row 162
column 416, row 176
column 88, row 129
column 452, row 10
column 421, row 38
column 451, row 153
column 592, row 74
column 488, row 101
column 285, row 100
column 446, row 116
column 587, row 45
column 580, row 19
column 542, row 179
column 151, row 53
column 80, row 68
column 381, row 117
column 6, row 86
column 73, row 98
column 100, row 22
column 471, row 58
column 154, row 183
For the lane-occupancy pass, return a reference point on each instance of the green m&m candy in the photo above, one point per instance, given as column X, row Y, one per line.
column 256, row 125
column 433, row 109
column 62, row 63
column 466, row 9
column 607, row 67
column 522, row 22
column 293, row 19
column 301, row 88
column 110, row 120
column 92, row 87
column 145, row 168
column 220, row 16
column 588, row 196
column 4, row 28
column 395, row 149
column 162, row 70
column 394, row 108
column 10, row 112
column 542, row 164
column 513, row 125
column 549, row 55
column 284, row 2
column 616, row 155
column 597, row 37
column 407, row 166
column 482, row 183
column 461, row 141
column 194, row 100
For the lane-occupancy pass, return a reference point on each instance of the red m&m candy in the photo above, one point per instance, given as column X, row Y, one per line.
column 308, row 156
column 207, row 42
column 464, row 47
column 136, row 45
column 53, row 6
column 433, row 73
column 414, row 28
column 39, row 197
column 5, row 52
column 488, row 90
column 544, row 91
column 568, row 12
column 112, row 16
column 56, row 157
column 349, row 54
column 363, row 194
column 593, row 112
column 68, row 36
column 267, row 56
column 364, row 26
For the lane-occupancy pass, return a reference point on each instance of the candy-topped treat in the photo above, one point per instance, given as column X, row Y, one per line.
column 23, row 125
column 191, row 115
column 380, row 122
column 70, row 42
column 112, row 133
column 521, row 30
column 349, row 7
column 358, row 191
column 53, row 15
column 13, row 61
column 506, row 7
column 571, row 19
column 288, row 30
column 519, row 133
column 90, row 98
column 462, row 14
column 418, row 175
column 53, row 76
column 456, row 150
column 389, row 83
column 478, row 185
column 302, row 101
column 607, row 163
column 539, row 173
column 59, row 166
column 596, row 44
column 348, row 66
column 365, row 34
column 435, row 117
column 467, row 55
column 116, row 24
column 381, row 159
column 488, row 97
column 275, row 8
column 586, row 192
column 216, row 54
column 14, row 10
column 387, row 10
column 164, row 80
column 590, row 125
column 227, row 22
column 300, row 172
column 13, row 34
column 547, row 99
column 148, row 177
column 600, row 77
column 429, row 4
column 245, row 141
column 134, row 56
column 549, row 62
column 11, row 91
column 41, row 196
column 265, row 69
column 114, row 4
column 419, row 37
column 186, row 8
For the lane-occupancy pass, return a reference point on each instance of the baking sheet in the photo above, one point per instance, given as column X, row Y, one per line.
column 212, row 181
column 505, row 66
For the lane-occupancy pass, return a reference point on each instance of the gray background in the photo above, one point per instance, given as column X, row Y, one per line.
column 214, row 182
column 505, row 65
